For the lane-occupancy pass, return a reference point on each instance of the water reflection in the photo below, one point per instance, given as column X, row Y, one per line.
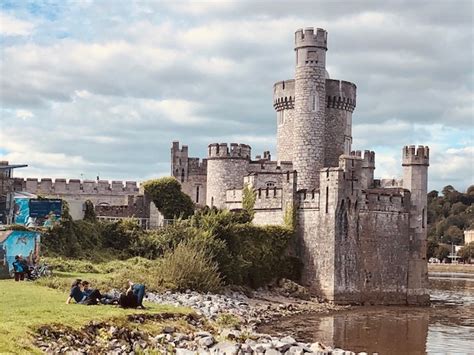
column 445, row 327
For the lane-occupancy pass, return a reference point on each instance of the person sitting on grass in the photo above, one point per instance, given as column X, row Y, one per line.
column 138, row 291
column 76, row 292
column 19, row 268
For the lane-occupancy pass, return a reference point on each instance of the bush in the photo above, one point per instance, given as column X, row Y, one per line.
column 188, row 267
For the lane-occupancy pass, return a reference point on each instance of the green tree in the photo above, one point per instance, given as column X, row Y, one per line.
column 168, row 198
column 248, row 199
column 431, row 248
column 466, row 253
column 441, row 252
column 453, row 235
column 89, row 212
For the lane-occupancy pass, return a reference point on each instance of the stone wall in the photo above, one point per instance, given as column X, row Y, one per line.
column 340, row 103
column 284, row 103
column 190, row 172
column 226, row 169
column 310, row 110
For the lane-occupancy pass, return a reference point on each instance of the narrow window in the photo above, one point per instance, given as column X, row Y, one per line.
column 274, row 192
column 266, row 192
column 423, row 218
column 288, row 176
column 182, row 175
column 259, row 193
column 212, row 201
column 327, row 199
column 197, row 194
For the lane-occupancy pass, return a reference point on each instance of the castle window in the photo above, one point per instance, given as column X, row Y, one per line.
column 314, row 103
column 197, row 194
column 182, row 175
column 259, row 193
column 266, row 192
column 423, row 218
column 212, row 201
column 274, row 192
column 327, row 199
column 270, row 184
column 281, row 117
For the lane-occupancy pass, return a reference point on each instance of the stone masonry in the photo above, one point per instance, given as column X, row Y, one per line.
column 361, row 240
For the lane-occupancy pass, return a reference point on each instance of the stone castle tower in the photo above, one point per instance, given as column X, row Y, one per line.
column 361, row 240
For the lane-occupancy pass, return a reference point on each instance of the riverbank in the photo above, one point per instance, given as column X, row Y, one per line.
column 450, row 268
column 36, row 319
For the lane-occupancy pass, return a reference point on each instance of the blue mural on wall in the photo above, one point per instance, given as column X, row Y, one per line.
column 14, row 243
column 22, row 210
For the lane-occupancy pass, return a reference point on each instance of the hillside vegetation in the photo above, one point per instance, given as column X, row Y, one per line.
column 449, row 215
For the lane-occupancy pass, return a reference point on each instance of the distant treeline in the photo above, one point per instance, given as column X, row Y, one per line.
column 449, row 215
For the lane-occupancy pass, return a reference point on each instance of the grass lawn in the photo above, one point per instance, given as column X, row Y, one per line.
column 26, row 305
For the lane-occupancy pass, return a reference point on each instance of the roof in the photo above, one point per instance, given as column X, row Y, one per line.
column 14, row 166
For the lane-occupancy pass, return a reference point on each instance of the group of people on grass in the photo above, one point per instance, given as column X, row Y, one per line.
column 83, row 293
column 20, row 268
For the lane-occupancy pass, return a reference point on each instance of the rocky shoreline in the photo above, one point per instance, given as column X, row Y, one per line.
column 221, row 324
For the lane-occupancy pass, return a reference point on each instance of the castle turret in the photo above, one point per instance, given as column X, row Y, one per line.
column 340, row 103
column 284, row 104
column 179, row 162
column 415, row 178
column 310, row 99
column 367, row 172
column 226, row 168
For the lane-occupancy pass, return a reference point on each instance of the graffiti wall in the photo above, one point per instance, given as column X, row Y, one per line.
column 14, row 243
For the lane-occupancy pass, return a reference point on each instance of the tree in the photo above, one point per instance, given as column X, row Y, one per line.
column 454, row 235
column 432, row 195
column 89, row 212
column 441, row 252
column 248, row 200
column 168, row 198
column 431, row 248
column 466, row 253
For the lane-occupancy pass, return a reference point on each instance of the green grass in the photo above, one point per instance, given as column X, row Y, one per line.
column 25, row 305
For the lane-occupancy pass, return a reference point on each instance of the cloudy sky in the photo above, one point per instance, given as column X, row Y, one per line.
column 102, row 87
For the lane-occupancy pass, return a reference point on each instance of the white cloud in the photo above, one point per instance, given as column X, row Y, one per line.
column 12, row 26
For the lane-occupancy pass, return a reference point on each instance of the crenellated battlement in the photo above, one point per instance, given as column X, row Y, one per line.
column 307, row 38
column 234, row 151
column 269, row 166
column 176, row 148
column 386, row 200
column 76, row 186
column 415, row 156
column 284, row 95
column 368, row 160
column 308, row 199
column 341, row 95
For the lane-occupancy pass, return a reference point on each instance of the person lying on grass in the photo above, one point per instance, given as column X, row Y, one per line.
column 133, row 297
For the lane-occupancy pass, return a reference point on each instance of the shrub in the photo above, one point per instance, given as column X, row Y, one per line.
column 168, row 198
column 189, row 267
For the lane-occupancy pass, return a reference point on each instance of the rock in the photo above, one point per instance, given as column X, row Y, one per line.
column 181, row 351
column 281, row 346
column 202, row 334
column 272, row 352
column 288, row 340
column 296, row 350
column 262, row 347
column 206, row 341
column 226, row 348
column 231, row 334
column 169, row 329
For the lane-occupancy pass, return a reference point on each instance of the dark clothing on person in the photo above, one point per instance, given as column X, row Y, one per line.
column 139, row 292
column 91, row 297
column 77, row 294
column 19, row 276
column 128, row 300
column 19, row 269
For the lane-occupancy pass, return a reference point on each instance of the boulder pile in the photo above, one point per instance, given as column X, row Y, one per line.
column 109, row 338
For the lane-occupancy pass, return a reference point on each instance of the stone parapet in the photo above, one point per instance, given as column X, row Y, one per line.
column 284, row 95
column 341, row 95
column 416, row 156
column 75, row 186
column 222, row 150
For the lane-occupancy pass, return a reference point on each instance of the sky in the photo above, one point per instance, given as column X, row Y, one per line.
column 102, row 88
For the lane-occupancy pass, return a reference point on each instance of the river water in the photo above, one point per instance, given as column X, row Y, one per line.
column 446, row 327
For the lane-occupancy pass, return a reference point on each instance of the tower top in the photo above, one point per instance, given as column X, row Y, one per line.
column 310, row 37
column 416, row 156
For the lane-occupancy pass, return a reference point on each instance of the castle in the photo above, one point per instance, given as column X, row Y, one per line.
column 361, row 240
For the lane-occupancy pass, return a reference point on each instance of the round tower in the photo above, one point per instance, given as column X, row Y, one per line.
column 284, row 104
column 226, row 168
column 340, row 103
column 309, row 111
